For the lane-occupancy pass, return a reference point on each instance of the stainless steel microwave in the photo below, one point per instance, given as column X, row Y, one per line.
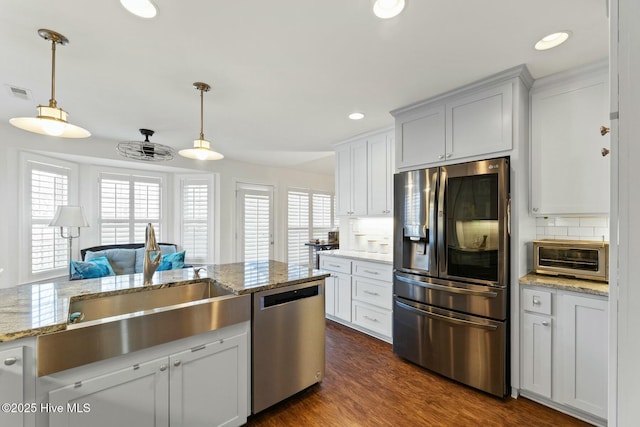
column 572, row 258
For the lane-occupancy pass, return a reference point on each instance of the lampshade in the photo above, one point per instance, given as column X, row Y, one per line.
column 69, row 216
column 51, row 120
column 201, row 147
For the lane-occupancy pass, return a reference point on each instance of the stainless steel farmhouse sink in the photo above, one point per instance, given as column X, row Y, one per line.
column 117, row 324
column 85, row 310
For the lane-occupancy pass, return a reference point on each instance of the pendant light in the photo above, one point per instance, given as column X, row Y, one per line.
column 201, row 147
column 51, row 120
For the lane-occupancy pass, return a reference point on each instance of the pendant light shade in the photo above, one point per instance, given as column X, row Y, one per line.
column 51, row 120
column 201, row 147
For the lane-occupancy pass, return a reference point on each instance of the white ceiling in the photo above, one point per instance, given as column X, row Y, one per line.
column 285, row 73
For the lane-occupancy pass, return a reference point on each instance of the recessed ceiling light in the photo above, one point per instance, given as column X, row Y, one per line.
column 356, row 116
column 141, row 8
column 552, row 40
column 386, row 9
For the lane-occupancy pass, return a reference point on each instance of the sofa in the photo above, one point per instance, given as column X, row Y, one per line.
column 128, row 258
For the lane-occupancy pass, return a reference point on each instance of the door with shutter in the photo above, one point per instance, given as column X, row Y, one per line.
column 254, row 225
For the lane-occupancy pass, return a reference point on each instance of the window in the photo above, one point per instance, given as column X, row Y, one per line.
column 127, row 204
column 310, row 216
column 47, row 183
column 196, row 212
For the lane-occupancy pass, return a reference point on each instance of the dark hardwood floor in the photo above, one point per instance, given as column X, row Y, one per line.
column 367, row 385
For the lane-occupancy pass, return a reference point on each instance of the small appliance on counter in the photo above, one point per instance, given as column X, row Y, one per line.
column 579, row 259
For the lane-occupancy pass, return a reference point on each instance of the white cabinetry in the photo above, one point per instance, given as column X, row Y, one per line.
column 380, row 173
column 569, row 175
column 564, row 339
column 199, row 381
column 359, row 294
column 474, row 121
column 17, row 381
column 351, row 178
column 364, row 175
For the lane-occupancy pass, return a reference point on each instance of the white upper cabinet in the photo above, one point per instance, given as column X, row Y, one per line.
column 420, row 137
column 472, row 122
column 480, row 123
column 364, row 175
column 351, row 178
column 569, row 174
column 380, row 182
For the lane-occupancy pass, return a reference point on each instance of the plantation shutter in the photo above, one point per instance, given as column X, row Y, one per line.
column 298, row 227
column 257, row 226
column 127, row 204
column 195, row 218
column 49, row 189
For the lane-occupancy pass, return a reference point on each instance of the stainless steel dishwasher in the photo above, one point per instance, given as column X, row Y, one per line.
column 288, row 342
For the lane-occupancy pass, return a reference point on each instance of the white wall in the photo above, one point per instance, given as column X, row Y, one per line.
column 93, row 151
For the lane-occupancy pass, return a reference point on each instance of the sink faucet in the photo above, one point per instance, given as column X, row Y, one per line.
column 150, row 245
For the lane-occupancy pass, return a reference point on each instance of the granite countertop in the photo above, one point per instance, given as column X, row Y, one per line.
column 567, row 284
column 360, row 255
column 32, row 310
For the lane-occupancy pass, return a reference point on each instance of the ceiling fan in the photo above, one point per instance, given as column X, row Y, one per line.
column 145, row 150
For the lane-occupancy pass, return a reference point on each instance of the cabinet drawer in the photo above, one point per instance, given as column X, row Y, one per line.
column 536, row 301
column 339, row 265
column 373, row 318
column 374, row 292
column 373, row 270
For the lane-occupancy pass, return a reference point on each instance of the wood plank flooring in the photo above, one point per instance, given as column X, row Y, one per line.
column 365, row 384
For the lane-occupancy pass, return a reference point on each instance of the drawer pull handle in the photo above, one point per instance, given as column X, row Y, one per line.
column 375, row 294
column 10, row 361
column 373, row 319
column 371, row 272
column 334, row 265
column 536, row 301
column 545, row 323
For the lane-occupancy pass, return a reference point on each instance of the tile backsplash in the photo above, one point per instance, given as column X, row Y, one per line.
column 573, row 228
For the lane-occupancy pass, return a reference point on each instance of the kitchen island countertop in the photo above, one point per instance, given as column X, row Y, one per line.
column 36, row 309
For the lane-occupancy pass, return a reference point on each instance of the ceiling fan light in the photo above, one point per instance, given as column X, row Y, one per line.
column 141, row 8
column 385, row 9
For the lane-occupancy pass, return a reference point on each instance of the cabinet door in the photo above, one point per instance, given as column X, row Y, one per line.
column 420, row 137
column 536, row 353
column 480, row 123
column 135, row 396
column 330, row 295
column 380, row 175
column 343, row 297
column 209, row 384
column 584, row 365
column 568, row 173
column 343, row 180
column 12, row 384
column 359, row 178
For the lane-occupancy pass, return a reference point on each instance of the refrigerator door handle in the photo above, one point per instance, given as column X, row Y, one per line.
column 442, row 255
column 509, row 216
column 487, row 294
column 446, row 318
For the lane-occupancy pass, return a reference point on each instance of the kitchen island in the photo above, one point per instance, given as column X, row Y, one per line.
column 178, row 382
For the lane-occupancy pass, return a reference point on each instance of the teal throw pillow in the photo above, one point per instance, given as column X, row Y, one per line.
column 172, row 261
column 97, row 267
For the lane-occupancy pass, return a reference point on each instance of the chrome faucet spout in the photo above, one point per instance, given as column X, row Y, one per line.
column 150, row 247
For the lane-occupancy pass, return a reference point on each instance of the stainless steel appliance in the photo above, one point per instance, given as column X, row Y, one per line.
column 451, row 271
column 288, row 342
column 572, row 258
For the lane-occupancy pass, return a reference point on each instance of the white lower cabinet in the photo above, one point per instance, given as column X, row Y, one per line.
column 359, row 294
column 17, row 380
column 204, row 383
column 564, row 345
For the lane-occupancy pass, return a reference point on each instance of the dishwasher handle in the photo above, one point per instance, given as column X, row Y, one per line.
column 289, row 296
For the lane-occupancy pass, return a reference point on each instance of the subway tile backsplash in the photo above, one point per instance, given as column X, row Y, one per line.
column 573, row 228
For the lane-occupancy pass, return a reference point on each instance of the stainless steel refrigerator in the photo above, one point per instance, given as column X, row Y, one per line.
column 451, row 271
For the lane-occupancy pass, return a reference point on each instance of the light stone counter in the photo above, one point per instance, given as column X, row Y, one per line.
column 360, row 256
column 32, row 310
column 567, row 284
